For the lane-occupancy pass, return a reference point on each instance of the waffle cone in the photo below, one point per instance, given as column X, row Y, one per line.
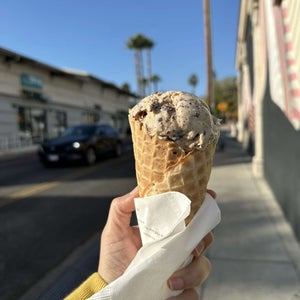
column 161, row 166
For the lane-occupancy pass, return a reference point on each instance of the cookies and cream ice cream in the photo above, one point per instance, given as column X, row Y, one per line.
column 174, row 138
column 179, row 117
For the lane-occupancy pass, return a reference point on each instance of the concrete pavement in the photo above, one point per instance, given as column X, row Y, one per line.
column 254, row 256
column 5, row 154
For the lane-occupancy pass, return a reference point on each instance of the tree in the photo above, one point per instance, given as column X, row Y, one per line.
column 125, row 87
column 209, row 71
column 145, row 82
column 148, row 45
column 193, row 81
column 135, row 43
column 225, row 97
column 155, row 79
column 138, row 43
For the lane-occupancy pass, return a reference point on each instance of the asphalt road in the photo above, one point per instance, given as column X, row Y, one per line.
column 47, row 213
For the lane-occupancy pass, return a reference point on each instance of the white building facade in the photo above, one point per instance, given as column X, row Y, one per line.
column 38, row 101
column 268, row 62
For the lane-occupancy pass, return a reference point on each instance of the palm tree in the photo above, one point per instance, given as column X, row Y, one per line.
column 155, row 79
column 136, row 43
column 148, row 45
column 125, row 87
column 193, row 81
column 145, row 82
column 209, row 89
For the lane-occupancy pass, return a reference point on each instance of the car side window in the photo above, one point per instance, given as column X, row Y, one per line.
column 100, row 131
column 111, row 131
column 105, row 130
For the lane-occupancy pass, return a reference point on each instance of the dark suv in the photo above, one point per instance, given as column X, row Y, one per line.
column 81, row 142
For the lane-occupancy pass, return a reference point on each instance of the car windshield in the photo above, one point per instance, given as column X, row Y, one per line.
column 79, row 130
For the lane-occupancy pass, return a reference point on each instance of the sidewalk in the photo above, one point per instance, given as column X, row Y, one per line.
column 254, row 256
column 11, row 153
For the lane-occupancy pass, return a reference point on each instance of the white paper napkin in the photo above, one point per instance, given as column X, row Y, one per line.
column 167, row 246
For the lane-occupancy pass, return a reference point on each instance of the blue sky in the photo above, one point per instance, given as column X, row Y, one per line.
column 91, row 35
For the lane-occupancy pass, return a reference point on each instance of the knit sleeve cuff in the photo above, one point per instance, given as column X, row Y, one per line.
column 89, row 287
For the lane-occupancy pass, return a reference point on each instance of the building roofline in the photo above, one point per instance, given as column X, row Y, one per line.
column 65, row 72
column 241, row 30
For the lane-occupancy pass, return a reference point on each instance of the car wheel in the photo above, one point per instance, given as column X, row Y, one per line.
column 90, row 156
column 118, row 149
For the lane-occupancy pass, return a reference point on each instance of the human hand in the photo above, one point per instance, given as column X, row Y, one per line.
column 120, row 243
column 194, row 274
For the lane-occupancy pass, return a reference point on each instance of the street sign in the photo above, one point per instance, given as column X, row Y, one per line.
column 222, row 106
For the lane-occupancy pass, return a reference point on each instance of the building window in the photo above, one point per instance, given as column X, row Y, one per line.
column 32, row 123
column 91, row 117
column 60, row 122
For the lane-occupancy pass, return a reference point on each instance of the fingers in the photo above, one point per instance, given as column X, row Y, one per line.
column 121, row 208
column 203, row 245
column 212, row 193
column 197, row 271
column 190, row 294
column 192, row 275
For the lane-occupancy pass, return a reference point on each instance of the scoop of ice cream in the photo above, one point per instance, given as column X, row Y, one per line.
column 177, row 116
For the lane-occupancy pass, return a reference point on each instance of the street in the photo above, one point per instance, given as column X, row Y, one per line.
column 47, row 213
column 51, row 219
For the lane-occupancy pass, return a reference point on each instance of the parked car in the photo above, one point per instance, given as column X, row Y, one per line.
column 85, row 143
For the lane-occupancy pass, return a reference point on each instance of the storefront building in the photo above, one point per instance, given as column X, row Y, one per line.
column 268, row 63
column 38, row 101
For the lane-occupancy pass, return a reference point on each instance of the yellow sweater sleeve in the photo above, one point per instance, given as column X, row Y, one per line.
column 89, row 287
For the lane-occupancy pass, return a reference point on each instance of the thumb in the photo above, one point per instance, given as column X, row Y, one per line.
column 121, row 209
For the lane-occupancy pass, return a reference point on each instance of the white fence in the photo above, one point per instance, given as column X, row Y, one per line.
column 15, row 142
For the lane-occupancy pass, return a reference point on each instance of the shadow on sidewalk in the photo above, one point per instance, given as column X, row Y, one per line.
column 233, row 153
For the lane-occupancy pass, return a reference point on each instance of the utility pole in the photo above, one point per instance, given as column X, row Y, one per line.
column 208, row 48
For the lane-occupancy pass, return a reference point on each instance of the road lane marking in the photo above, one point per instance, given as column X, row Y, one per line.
column 33, row 190
column 41, row 187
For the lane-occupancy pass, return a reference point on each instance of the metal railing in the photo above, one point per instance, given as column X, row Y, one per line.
column 16, row 142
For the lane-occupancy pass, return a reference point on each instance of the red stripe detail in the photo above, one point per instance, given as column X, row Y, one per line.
column 289, row 46
column 284, row 12
column 295, row 92
column 287, row 28
column 290, row 62
column 292, row 76
column 295, row 113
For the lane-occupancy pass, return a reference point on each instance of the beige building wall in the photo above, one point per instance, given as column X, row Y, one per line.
column 82, row 92
column 64, row 97
column 293, row 20
column 268, row 47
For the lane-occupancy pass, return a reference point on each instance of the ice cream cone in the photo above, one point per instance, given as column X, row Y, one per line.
column 162, row 165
